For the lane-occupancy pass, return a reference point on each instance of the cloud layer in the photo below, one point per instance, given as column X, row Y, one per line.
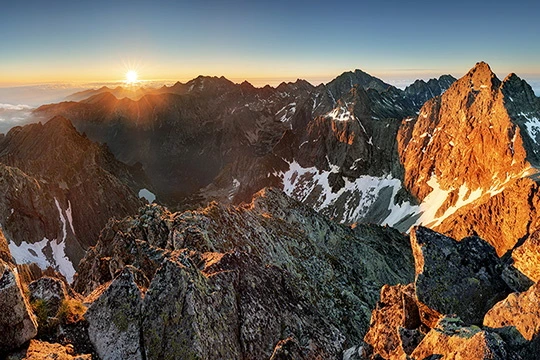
column 14, row 115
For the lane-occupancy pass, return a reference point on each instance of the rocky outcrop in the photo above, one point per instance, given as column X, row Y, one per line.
column 462, row 278
column 450, row 339
column 115, row 319
column 17, row 323
column 237, row 282
column 451, row 309
column 396, row 326
column 527, row 257
column 39, row 350
column 519, row 310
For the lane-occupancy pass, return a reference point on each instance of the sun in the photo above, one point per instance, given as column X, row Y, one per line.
column 131, row 77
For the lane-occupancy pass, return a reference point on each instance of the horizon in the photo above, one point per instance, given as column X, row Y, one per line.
column 35, row 94
column 260, row 82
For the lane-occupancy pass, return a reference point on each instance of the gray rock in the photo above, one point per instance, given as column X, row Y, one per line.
column 17, row 323
column 461, row 278
column 190, row 316
column 50, row 290
column 114, row 319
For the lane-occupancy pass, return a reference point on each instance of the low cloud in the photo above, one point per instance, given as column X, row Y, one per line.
column 535, row 84
column 14, row 115
column 14, row 107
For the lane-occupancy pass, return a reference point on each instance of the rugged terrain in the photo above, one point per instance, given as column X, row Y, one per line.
column 465, row 303
column 248, row 138
column 285, row 230
column 60, row 189
column 244, row 282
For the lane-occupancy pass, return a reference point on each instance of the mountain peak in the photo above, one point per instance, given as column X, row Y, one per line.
column 58, row 122
column 481, row 76
column 512, row 78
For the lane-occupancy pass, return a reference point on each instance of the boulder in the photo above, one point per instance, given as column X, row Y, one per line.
column 527, row 257
column 451, row 339
column 17, row 323
column 187, row 315
column 39, row 350
column 114, row 319
column 393, row 332
column 520, row 310
column 462, row 278
column 50, row 290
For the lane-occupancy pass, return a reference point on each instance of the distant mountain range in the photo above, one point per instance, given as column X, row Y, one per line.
column 356, row 149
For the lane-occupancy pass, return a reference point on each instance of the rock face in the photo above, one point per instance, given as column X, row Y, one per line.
column 420, row 91
column 115, row 319
column 464, row 192
column 17, row 323
column 5, row 254
column 527, row 257
column 61, row 189
column 227, row 282
column 394, row 331
column 462, row 278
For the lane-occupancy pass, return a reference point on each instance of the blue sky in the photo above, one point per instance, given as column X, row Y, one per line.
column 45, row 41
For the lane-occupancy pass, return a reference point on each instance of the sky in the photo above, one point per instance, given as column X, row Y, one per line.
column 264, row 41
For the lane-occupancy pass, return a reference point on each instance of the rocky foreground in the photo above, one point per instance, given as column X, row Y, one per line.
column 268, row 279
column 273, row 279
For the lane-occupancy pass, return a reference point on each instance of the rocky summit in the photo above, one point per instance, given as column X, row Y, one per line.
column 269, row 270
column 213, row 220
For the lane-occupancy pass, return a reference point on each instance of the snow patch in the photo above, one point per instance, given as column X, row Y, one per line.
column 438, row 196
column 356, row 196
column 27, row 253
column 147, row 194
column 533, row 126
column 69, row 214
column 340, row 113
column 234, row 189
column 47, row 253
column 287, row 112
